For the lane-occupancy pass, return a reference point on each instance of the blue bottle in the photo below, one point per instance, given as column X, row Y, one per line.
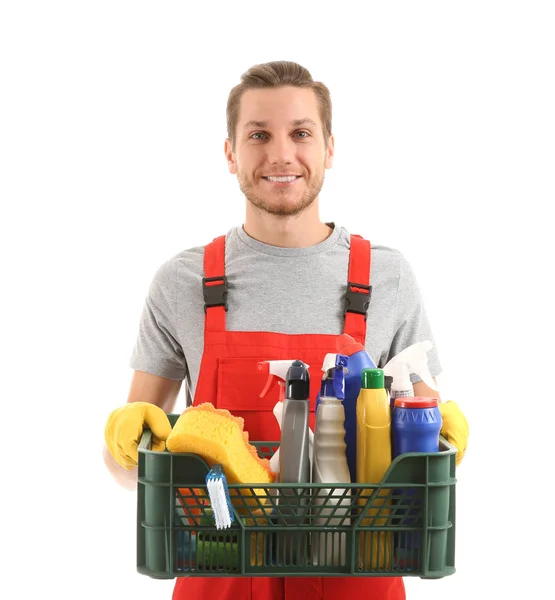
column 358, row 359
column 416, row 424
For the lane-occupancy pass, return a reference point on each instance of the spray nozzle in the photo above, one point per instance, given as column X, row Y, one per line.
column 297, row 382
column 277, row 374
column 333, row 382
column 413, row 359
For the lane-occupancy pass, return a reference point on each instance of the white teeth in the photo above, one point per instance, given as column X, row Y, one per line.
column 282, row 179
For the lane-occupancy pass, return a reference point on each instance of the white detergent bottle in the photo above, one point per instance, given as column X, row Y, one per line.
column 330, row 465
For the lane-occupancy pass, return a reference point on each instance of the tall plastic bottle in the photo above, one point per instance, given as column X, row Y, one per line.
column 294, row 461
column 373, row 460
column 412, row 423
column 359, row 359
column 416, row 425
column 277, row 374
column 330, row 464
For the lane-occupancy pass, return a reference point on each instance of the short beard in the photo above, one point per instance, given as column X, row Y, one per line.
column 306, row 200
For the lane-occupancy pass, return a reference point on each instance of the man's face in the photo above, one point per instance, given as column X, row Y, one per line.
column 280, row 135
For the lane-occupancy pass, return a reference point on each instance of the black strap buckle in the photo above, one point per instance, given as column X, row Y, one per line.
column 357, row 301
column 214, row 295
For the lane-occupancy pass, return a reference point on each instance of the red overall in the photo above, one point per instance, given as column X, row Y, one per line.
column 229, row 379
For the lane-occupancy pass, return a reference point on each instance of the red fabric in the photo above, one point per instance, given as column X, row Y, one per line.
column 229, row 378
column 359, row 272
column 290, row 588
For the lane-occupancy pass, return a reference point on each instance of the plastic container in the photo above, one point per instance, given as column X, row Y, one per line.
column 416, row 425
column 330, row 463
column 294, row 459
column 277, row 375
column 373, row 460
column 359, row 359
column 172, row 507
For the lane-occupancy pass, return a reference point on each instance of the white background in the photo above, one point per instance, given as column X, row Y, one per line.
column 112, row 126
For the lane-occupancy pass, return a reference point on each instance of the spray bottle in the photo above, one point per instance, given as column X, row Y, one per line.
column 294, row 463
column 359, row 359
column 277, row 373
column 330, row 464
column 413, row 359
column 422, row 433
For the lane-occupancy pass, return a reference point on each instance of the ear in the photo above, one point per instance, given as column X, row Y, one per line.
column 230, row 157
column 330, row 151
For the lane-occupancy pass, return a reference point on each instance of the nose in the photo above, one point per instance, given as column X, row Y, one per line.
column 280, row 149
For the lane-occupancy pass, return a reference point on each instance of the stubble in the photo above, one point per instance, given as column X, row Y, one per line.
column 279, row 204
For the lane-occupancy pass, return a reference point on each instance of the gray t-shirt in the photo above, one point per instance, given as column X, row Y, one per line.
column 284, row 290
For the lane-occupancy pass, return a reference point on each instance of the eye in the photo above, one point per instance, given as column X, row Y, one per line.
column 303, row 134
column 257, row 133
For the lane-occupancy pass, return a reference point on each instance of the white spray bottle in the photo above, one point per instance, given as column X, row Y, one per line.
column 330, row 465
column 413, row 359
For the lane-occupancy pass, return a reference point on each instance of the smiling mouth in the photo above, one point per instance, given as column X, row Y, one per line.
column 283, row 179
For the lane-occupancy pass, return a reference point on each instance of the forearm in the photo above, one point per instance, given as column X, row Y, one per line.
column 154, row 389
column 421, row 389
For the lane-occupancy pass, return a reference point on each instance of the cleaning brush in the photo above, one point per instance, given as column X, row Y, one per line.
column 218, row 492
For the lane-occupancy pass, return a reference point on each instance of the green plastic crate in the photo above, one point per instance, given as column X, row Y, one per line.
column 404, row 526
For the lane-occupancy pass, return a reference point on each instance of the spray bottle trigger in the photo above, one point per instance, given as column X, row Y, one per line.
column 269, row 382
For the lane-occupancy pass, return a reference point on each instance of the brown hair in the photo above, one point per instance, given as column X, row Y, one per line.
column 273, row 75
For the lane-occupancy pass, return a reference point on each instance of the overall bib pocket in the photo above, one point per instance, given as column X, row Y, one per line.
column 240, row 384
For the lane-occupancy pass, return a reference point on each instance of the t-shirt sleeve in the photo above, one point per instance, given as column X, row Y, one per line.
column 157, row 349
column 410, row 321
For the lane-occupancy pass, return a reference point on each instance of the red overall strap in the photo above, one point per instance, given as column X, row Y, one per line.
column 214, row 285
column 358, row 296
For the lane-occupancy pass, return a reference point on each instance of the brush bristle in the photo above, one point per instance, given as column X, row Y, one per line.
column 219, row 498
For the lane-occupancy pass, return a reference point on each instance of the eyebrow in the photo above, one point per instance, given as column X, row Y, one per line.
column 295, row 123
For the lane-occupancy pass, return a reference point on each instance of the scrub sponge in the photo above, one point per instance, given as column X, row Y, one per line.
column 218, row 437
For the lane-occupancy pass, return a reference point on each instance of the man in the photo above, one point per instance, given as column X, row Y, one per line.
column 274, row 288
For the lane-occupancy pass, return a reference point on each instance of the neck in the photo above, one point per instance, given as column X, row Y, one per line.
column 298, row 231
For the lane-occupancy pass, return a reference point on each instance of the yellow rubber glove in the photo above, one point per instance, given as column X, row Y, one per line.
column 125, row 426
column 455, row 427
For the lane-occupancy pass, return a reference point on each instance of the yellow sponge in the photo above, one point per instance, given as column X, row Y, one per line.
column 218, row 437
